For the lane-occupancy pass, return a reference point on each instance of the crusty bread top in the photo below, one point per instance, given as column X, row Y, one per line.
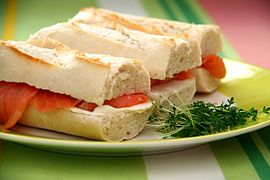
column 48, row 43
column 162, row 56
column 208, row 36
column 90, row 77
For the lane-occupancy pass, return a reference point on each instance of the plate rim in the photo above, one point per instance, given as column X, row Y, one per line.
column 217, row 136
column 12, row 136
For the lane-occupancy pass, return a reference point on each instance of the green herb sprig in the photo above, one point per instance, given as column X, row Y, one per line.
column 200, row 118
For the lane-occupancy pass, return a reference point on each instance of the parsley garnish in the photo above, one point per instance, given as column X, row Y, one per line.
column 201, row 118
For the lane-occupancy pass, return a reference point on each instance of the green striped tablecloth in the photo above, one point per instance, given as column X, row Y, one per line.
column 243, row 157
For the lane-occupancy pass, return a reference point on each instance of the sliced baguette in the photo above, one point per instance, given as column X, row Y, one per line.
column 208, row 36
column 176, row 92
column 205, row 82
column 162, row 56
column 108, row 123
column 104, row 123
column 93, row 78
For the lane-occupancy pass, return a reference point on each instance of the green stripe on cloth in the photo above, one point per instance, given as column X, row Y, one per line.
column 199, row 15
column 261, row 146
column 3, row 7
column 179, row 15
column 234, row 156
column 183, row 6
column 192, row 12
column 264, row 134
column 255, row 156
column 19, row 162
column 198, row 12
column 167, row 9
column 1, row 150
column 154, row 9
column 33, row 15
column 251, row 92
column 164, row 9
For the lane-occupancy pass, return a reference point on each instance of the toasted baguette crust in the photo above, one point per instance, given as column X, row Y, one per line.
column 208, row 36
column 49, row 44
column 162, row 56
column 177, row 92
column 93, row 78
column 205, row 82
column 173, row 91
column 104, row 123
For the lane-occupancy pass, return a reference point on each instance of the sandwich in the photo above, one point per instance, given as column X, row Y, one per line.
column 89, row 95
column 167, row 59
column 212, row 70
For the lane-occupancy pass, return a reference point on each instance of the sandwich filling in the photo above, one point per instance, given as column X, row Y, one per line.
column 179, row 76
column 16, row 97
column 212, row 63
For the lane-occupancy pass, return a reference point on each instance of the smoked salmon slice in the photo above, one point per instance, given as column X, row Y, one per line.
column 179, row 76
column 46, row 101
column 183, row 75
column 127, row 100
column 14, row 98
column 119, row 102
column 86, row 106
column 214, row 65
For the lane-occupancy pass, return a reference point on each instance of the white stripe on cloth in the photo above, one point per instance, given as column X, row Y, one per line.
column 133, row 7
column 197, row 163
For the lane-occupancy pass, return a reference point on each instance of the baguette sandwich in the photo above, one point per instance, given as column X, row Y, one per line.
column 212, row 70
column 89, row 95
column 167, row 59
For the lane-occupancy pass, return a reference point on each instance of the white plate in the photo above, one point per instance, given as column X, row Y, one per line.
column 248, row 84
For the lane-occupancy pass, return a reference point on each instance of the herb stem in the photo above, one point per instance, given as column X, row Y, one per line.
column 201, row 118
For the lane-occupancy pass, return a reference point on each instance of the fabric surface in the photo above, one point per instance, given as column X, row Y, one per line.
column 246, row 28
